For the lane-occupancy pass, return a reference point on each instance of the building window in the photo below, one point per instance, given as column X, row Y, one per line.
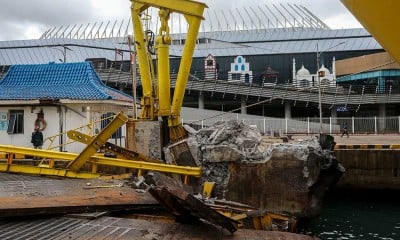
column 202, row 40
column 236, row 76
column 210, row 62
column 105, row 120
column 304, row 83
column 16, row 122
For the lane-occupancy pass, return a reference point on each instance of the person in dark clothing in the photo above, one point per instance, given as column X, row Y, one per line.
column 37, row 138
column 344, row 130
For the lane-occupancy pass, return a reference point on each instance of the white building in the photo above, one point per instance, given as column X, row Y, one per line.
column 303, row 77
column 58, row 98
column 240, row 71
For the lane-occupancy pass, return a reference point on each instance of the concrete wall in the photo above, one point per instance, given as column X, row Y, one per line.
column 144, row 137
column 369, row 168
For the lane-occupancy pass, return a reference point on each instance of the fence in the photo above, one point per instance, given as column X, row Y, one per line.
column 267, row 125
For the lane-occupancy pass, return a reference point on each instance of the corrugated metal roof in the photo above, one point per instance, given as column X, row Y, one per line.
column 40, row 51
column 282, row 41
column 222, row 43
column 77, row 81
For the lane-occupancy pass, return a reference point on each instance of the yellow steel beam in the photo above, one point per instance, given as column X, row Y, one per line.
column 183, row 170
column 121, row 152
column 186, row 7
column 208, row 187
column 380, row 18
column 144, row 61
column 80, row 137
column 189, row 171
column 176, row 131
column 38, row 152
column 26, row 169
column 97, row 142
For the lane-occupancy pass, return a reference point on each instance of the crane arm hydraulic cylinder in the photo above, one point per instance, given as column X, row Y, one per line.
column 162, row 45
column 144, row 63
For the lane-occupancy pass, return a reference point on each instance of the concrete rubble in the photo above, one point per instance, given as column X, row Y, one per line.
column 264, row 172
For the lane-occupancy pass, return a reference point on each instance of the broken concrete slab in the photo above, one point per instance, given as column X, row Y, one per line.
column 264, row 172
column 144, row 137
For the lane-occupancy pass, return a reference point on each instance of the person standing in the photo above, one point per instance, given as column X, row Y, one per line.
column 344, row 130
column 37, row 138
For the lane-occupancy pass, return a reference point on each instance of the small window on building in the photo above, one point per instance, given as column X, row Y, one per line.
column 16, row 122
column 236, row 76
column 202, row 40
column 210, row 62
column 105, row 120
column 176, row 42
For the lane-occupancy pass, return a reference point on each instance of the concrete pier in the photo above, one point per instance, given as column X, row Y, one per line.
column 371, row 161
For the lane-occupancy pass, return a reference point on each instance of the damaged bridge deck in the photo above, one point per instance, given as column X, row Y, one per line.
column 29, row 195
column 121, row 228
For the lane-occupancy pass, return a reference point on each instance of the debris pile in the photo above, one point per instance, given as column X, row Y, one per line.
column 264, row 172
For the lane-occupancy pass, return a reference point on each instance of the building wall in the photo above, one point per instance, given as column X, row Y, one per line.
column 24, row 138
column 376, row 61
column 281, row 63
column 59, row 119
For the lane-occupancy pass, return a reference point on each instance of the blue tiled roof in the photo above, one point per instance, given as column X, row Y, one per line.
column 78, row 81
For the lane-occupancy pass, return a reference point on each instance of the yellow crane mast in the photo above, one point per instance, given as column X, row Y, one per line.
column 159, row 104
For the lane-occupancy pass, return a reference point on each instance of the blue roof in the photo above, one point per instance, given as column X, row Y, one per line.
column 77, row 81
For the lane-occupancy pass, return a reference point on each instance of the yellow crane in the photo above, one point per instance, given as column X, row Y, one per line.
column 158, row 103
column 381, row 20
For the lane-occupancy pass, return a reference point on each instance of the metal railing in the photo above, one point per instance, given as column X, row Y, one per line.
column 281, row 126
column 344, row 95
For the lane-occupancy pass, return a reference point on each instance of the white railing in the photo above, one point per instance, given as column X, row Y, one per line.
column 273, row 126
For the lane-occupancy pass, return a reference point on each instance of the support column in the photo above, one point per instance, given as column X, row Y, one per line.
column 288, row 109
column 295, row 83
column 201, row 101
column 382, row 118
column 334, row 116
column 381, row 85
column 243, row 109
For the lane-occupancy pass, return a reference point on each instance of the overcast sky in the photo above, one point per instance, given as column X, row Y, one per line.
column 23, row 19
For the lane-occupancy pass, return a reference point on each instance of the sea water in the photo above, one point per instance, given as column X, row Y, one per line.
column 364, row 215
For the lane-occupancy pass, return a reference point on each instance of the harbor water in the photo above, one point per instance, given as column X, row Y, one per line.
column 360, row 214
